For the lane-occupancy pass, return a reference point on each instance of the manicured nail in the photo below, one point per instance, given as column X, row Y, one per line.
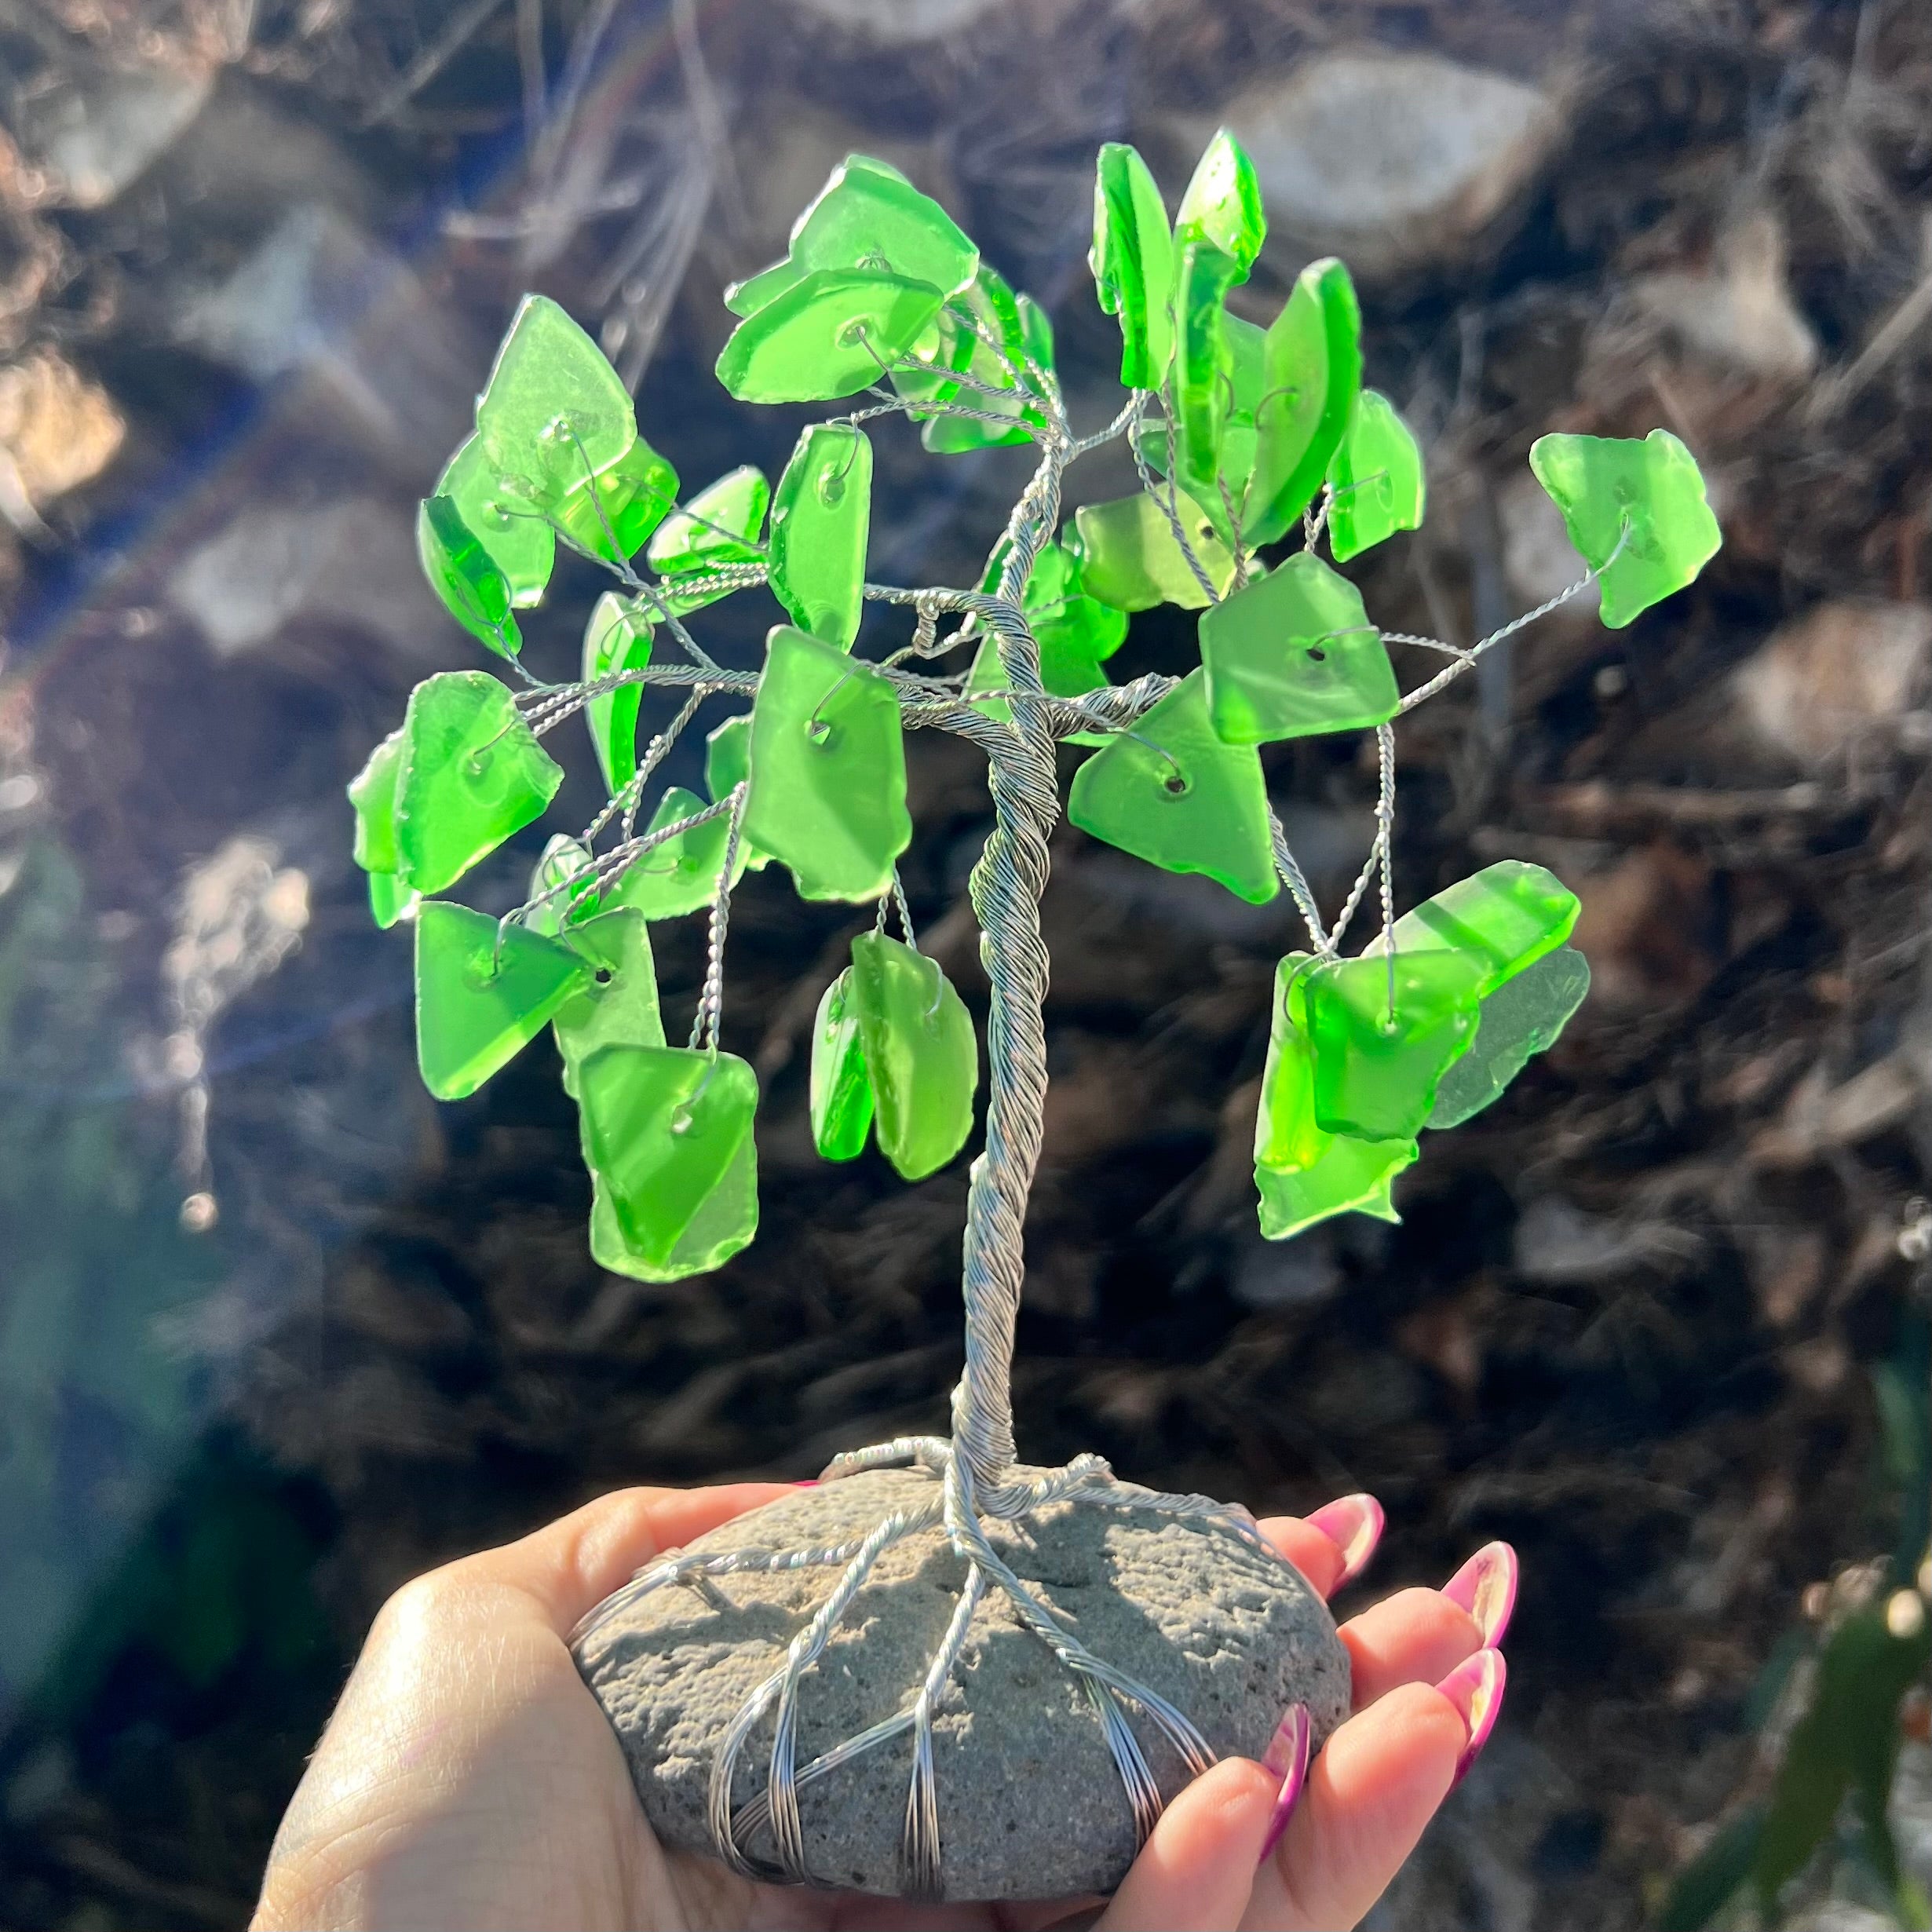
column 1485, row 1586
column 1475, row 1688
column 1287, row 1754
column 810, row 1482
column 1354, row 1525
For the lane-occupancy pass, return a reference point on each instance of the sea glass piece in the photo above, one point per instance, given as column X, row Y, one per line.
column 563, row 886
column 483, row 993
column 554, row 412
column 681, row 874
column 1293, row 653
column 1130, row 558
column 841, row 1088
column 869, row 215
column 1203, row 363
column 835, row 332
column 521, row 545
column 1501, row 920
column 1352, row 1177
column 726, row 1220
column 1012, row 416
column 617, row 638
column 1068, row 623
column 464, row 575
column 1521, row 1018
column 1172, row 793
column 390, row 901
column 1311, row 373
column 978, row 334
column 612, row 516
column 472, row 773
column 1377, row 475
column 1066, row 671
column 921, row 1054
column 372, row 794
column 1602, row 484
column 1132, row 259
column 828, row 769
column 619, row 1006
column 727, row 765
column 1222, row 204
column 661, row 1126
column 720, row 524
column 748, row 297
column 1376, row 1070
column 821, row 517
column 1287, row 1137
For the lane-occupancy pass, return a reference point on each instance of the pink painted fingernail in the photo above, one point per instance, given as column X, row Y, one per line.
column 1354, row 1525
column 1485, row 1586
column 1287, row 1754
column 810, row 1482
column 1475, row 1687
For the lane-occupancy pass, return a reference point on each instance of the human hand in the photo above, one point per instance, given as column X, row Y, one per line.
column 469, row 1780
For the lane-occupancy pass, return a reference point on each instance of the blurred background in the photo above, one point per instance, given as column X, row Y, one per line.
column 278, row 1332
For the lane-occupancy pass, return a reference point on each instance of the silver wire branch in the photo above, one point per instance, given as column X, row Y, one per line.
column 1296, row 880
column 1385, row 839
column 710, row 1015
column 609, row 866
column 1169, row 501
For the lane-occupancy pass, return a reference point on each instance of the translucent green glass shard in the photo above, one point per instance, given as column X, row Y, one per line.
column 662, row 1128
column 464, row 575
column 472, row 773
column 721, row 524
column 727, row 765
column 390, row 899
column 748, row 297
column 1500, row 920
column 1352, row 1177
column 821, row 517
column 1294, row 654
column 837, row 331
column 555, row 410
column 1287, row 1137
column 869, row 215
column 1132, row 259
column 1377, row 472
column 620, row 1007
column 1071, row 627
column 1520, row 1019
column 483, row 993
column 563, row 890
column 521, row 545
column 1015, row 416
column 1130, row 558
column 1065, row 670
column 828, row 769
column 1173, row 794
column 921, row 1054
column 1376, row 1073
column 1203, row 363
column 842, row 1089
column 1225, row 500
column 725, row 1221
column 979, row 334
column 617, row 638
column 1036, row 332
column 612, row 516
column 1602, row 484
column 372, row 793
column 681, row 874
column 1311, row 372
column 1222, row 204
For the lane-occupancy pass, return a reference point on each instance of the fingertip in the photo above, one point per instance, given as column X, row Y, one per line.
column 1300, row 1543
column 1195, row 1870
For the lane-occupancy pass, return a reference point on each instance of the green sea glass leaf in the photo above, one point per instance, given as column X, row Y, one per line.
column 1311, row 372
column 833, row 333
column 1017, row 416
column 563, row 889
column 821, row 518
column 1603, row 484
column 1203, row 363
column 390, row 899
column 620, row 1007
column 1036, row 332
column 1070, row 626
column 1352, row 1177
column 842, row 1089
column 472, row 773
column 372, row 793
column 681, row 875
column 979, row 333
column 1130, row 558
column 611, row 515
column 1287, row 1137
column 921, row 1054
column 617, row 638
column 1375, row 1073
column 1520, row 1019
column 1132, row 259
column 869, row 215
column 1377, row 474
column 661, row 1127
column 1501, row 920
column 725, row 1221
column 720, row 524
column 483, row 993
column 1173, row 794
column 1294, row 654
column 1222, row 204
column 464, row 575
column 748, row 297
column 828, row 769
column 1065, row 670
column 520, row 544
column 727, row 765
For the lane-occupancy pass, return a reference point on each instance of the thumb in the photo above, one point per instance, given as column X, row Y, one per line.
column 1195, row 1870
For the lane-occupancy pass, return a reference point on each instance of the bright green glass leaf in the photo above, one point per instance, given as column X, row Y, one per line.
column 1203, row 363
column 1311, row 372
column 869, row 215
column 1070, row 626
column 1222, row 204
column 521, row 545
column 821, row 517
column 661, row 1127
column 1036, row 332
column 748, row 297
column 1500, row 920
column 390, row 899
column 464, row 575
column 1130, row 558
column 1172, row 793
column 1352, row 1177
column 611, row 515
column 472, row 773
column 1287, row 1137
column 617, row 638
column 1520, row 1019
column 563, row 889
column 842, row 1089
column 1065, row 670
column 372, row 793
column 836, row 332
column 725, row 1221
column 681, row 875
column 828, row 769
column 1376, row 1073
column 1233, row 481
column 1603, row 484
column 1377, row 475
column 1016, row 416
column 1132, row 259
column 620, row 1007
column 1293, row 653
column 921, row 1054
column 483, row 993
column 721, row 524
column 727, row 765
